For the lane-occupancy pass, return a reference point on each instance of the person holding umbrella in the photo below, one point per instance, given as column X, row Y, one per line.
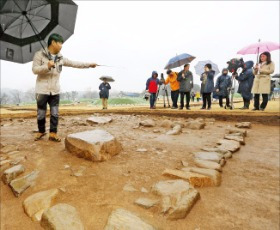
column 261, row 85
column 223, row 84
column 174, row 85
column 104, row 88
column 185, row 77
column 207, row 85
column 47, row 67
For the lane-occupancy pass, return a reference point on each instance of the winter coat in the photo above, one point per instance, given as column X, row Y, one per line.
column 186, row 81
column 223, row 83
column 104, row 90
column 152, row 83
column 174, row 84
column 48, row 80
column 207, row 85
column 246, row 79
column 262, row 80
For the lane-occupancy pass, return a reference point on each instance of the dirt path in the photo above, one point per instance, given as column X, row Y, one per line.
column 248, row 197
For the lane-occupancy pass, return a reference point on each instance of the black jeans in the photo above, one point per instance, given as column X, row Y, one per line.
column 257, row 101
column 221, row 101
column 42, row 101
column 206, row 100
column 246, row 102
column 174, row 98
column 188, row 98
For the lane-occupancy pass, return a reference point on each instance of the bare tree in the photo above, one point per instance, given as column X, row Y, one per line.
column 17, row 96
column 68, row 95
column 30, row 94
column 4, row 98
column 74, row 95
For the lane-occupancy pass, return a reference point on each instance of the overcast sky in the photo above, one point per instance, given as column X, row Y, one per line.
column 141, row 36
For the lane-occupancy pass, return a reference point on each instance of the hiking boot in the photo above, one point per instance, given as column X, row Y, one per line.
column 54, row 137
column 39, row 136
column 188, row 108
column 180, row 108
column 254, row 109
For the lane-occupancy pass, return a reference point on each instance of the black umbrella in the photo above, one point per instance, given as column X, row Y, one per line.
column 27, row 24
column 276, row 75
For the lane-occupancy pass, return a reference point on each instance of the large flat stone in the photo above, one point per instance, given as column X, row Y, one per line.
column 195, row 179
column 147, row 123
column 61, row 217
column 175, row 131
column 208, row 164
column 234, row 131
column 11, row 173
column 208, row 156
column 36, row 204
column 178, row 197
column 246, row 125
column 196, row 125
column 99, row 120
column 229, row 145
column 121, row 219
column 95, row 145
column 212, row 173
column 214, row 149
column 19, row 185
column 166, row 124
column 238, row 138
column 146, row 202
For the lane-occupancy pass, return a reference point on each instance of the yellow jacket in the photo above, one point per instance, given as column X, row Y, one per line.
column 174, row 84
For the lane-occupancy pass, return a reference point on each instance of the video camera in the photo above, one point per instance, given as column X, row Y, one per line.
column 234, row 64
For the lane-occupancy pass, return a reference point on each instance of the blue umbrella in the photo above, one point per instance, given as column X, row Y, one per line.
column 199, row 67
column 179, row 60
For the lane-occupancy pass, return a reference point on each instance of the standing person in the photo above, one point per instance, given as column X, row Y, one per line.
column 223, row 85
column 207, row 85
column 246, row 79
column 185, row 77
column 48, row 67
column 192, row 95
column 152, row 87
column 104, row 93
column 174, row 85
column 261, row 84
column 197, row 96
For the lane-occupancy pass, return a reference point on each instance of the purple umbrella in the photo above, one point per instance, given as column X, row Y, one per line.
column 259, row 47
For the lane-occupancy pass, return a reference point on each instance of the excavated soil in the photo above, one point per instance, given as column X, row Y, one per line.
column 248, row 197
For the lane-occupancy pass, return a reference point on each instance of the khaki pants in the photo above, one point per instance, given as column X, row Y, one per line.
column 104, row 103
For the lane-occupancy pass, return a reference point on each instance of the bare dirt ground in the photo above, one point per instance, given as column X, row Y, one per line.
column 248, row 197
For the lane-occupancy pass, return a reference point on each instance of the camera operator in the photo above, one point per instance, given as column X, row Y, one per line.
column 175, row 85
column 245, row 79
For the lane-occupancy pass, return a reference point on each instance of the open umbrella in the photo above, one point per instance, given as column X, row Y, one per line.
column 199, row 67
column 259, row 47
column 107, row 78
column 179, row 60
column 26, row 24
column 276, row 75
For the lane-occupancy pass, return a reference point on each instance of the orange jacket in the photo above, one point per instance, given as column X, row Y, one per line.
column 174, row 84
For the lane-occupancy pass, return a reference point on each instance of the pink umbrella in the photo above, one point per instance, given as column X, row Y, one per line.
column 259, row 47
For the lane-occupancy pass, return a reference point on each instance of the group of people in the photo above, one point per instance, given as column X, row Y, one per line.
column 48, row 62
column 253, row 80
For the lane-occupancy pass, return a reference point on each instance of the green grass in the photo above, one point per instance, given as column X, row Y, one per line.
column 122, row 101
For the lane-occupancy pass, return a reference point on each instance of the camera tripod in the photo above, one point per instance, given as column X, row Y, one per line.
column 165, row 94
column 232, row 90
